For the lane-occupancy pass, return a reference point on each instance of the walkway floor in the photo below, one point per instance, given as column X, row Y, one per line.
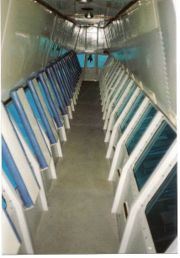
column 79, row 220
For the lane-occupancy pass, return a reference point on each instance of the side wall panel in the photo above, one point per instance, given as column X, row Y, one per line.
column 30, row 39
column 147, row 46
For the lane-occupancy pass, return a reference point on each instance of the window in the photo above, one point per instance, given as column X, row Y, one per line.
column 127, row 98
column 140, row 128
column 81, row 58
column 102, row 60
column 91, row 61
column 153, row 153
column 132, row 111
column 120, row 93
column 161, row 213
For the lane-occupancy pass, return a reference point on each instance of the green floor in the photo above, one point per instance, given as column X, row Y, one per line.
column 79, row 220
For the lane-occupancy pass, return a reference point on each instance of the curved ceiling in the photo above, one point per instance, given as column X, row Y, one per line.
column 102, row 10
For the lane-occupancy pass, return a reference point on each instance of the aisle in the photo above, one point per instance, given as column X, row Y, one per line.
column 79, row 219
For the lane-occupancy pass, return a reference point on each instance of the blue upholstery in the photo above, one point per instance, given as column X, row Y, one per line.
column 28, row 129
column 14, row 175
column 49, row 102
column 40, row 115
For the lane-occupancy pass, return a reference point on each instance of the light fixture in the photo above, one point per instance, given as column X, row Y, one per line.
column 84, row 1
column 88, row 12
column 48, row 10
column 89, row 15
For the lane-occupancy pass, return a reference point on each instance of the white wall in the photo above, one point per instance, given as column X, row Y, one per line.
column 145, row 39
column 28, row 34
column 145, row 36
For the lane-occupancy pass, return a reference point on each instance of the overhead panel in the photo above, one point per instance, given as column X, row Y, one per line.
column 102, row 10
column 83, row 40
column 146, row 45
column 23, row 34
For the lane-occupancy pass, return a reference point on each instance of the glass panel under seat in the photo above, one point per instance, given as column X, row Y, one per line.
column 127, row 98
column 120, row 93
column 153, row 153
column 132, row 111
column 161, row 213
column 140, row 128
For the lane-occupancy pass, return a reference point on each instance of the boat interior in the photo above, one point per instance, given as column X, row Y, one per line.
column 89, row 127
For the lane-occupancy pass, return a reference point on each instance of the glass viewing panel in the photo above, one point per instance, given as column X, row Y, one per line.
column 127, row 98
column 102, row 60
column 132, row 111
column 161, row 213
column 91, row 61
column 153, row 153
column 140, row 128
column 81, row 59
column 120, row 93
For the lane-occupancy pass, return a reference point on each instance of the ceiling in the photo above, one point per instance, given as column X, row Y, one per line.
column 102, row 10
